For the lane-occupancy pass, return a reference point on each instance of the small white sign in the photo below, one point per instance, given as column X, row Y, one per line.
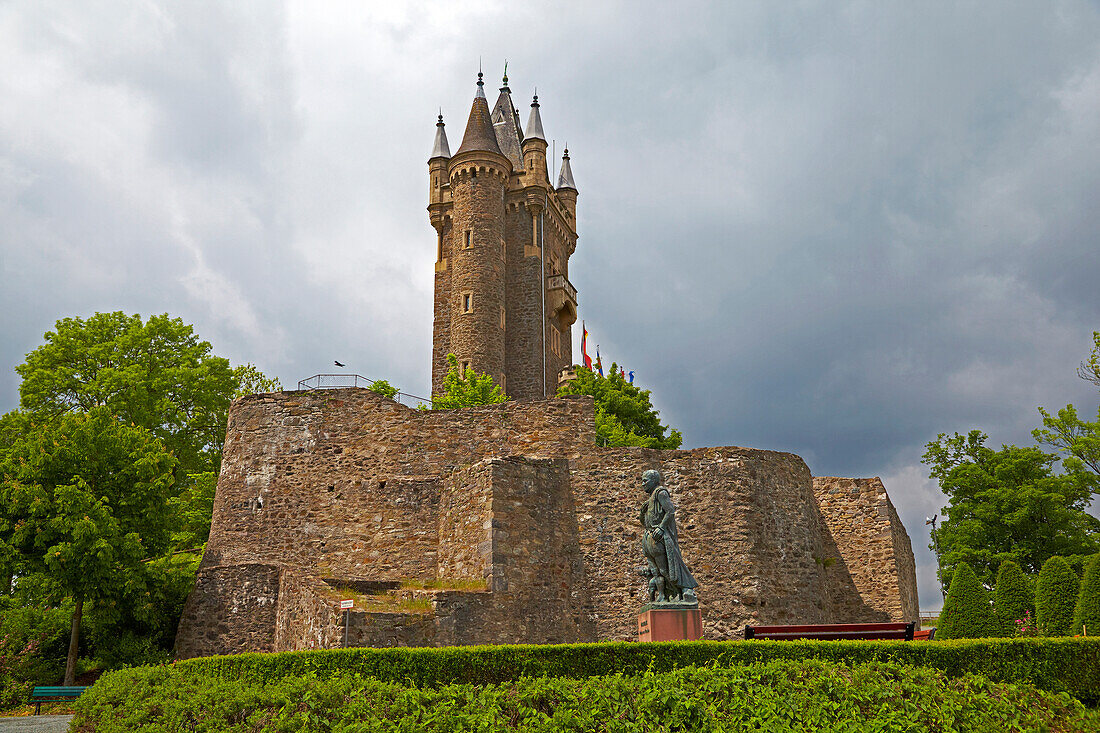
column 345, row 605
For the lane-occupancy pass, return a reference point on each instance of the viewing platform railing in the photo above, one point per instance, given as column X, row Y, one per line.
column 350, row 381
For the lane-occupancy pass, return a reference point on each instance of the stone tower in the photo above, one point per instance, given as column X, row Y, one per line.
column 503, row 301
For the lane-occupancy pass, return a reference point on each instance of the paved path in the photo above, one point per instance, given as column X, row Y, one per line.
column 36, row 724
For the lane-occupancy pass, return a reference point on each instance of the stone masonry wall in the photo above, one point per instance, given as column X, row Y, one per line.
column 872, row 575
column 232, row 609
column 348, row 485
column 747, row 525
column 345, row 481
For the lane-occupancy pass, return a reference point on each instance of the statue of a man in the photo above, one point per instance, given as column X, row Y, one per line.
column 671, row 581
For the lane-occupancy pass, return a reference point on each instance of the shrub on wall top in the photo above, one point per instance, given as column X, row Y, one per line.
column 1055, row 597
column 1086, row 617
column 1012, row 598
column 966, row 611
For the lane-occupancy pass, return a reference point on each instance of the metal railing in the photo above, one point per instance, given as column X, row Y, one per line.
column 560, row 282
column 351, row 381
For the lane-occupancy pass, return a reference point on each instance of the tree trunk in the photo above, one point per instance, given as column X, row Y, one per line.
column 74, row 644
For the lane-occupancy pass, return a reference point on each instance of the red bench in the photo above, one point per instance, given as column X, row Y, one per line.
column 833, row 631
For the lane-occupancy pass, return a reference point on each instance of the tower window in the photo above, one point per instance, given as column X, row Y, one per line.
column 555, row 340
column 467, row 302
column 503, row 249
column 465, row 366
column 467, row 239
column 502, row 316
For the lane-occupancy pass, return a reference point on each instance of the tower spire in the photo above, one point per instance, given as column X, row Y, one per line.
column 479, row 127
column 534, row 122
column 565, row 178
column 441, row 149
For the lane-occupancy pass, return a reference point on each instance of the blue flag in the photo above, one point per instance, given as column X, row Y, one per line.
column 631, row 376
column 599, row 364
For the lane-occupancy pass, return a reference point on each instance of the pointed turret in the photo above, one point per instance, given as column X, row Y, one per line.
column 534, row 146
column 506, row 126
column 565, row 178
column 441, row 149
column 534, row 122
column 479, row 128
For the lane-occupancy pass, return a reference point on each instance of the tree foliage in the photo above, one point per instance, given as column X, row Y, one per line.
column 1055, row 597
column 466, row 389
column 1090, row 367
column 1012, row 597
column 1007, row 504
column 155, row 374
column 83, row 502
column 1086, row 614
column 384, row 388
column 624, row 413
column 251, row 380
column 966, row 611
column 1078, row 439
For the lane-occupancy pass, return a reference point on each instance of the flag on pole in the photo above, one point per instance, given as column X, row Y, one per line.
column 622, row 373
column 599, row 364
column 632, row 376
column 584, row 346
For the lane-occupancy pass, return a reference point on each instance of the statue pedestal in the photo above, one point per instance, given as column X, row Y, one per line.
column 670, row 624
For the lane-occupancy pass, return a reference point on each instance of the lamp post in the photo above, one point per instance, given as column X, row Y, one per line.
column 936, row 549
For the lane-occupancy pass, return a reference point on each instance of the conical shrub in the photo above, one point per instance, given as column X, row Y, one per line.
column 1086, row 617
column 1055, row 597
column 966, row 611
column 1012, row 599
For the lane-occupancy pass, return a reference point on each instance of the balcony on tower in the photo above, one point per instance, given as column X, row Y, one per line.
column 562, row 297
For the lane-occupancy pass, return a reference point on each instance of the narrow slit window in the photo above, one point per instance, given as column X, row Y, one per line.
column 502, row 316
column 467, row 302
column 467, row 239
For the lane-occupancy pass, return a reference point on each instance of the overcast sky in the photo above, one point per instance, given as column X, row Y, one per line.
column 831, row 228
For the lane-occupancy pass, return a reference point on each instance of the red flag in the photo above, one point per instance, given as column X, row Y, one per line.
column 584, row 347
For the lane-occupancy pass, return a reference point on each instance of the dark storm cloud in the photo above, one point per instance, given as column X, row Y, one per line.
column 836, row 231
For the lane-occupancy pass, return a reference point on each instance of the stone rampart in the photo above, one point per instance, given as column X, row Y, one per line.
column 872, row 572
column 516, row 528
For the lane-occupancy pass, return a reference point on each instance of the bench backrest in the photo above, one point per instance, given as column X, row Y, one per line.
column 43, row 691
column 833, row 631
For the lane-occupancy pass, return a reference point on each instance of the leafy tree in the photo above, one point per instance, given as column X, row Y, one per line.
column 155, row 374
column 1086, row 615
column 251, row 380
column 966, row 611
column 1055, row 597
column 384, row 388
column 1078, row 438
column 466, row 390
column 1012, row 597
column 83, row 502
column 624, row 414
column 1007, row 504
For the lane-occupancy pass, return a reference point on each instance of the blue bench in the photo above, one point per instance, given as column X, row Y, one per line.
column 40, row 695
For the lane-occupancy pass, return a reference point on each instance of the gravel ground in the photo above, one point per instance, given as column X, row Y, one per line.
column 36, row 724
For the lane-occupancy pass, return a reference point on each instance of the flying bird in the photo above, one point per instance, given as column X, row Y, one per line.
column 337, row 363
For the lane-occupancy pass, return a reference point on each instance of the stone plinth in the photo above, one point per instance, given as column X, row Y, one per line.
column 670, row 624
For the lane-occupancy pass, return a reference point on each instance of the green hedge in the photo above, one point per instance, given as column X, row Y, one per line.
column 1055, row 597
column 1012, row 598
column 778, row 696
column 1056, row 665
column 1086, row 616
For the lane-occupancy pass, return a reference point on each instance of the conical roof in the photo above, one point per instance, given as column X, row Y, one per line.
column 565, row 178
column 479, row 128
column 534, row 122
column 506, row 126
column 441, row 149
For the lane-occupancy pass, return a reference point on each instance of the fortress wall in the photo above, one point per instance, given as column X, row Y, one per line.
column 231, row 610
column 308, row 615
column 465, row 525
column 748, row 528
column 872, row 574
column 349, row 479
column 538, row 583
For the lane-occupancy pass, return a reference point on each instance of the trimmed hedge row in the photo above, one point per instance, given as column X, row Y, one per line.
column 1056, row 665
column 782, row 695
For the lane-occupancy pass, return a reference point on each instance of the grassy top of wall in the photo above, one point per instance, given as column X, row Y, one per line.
column 1056, row 665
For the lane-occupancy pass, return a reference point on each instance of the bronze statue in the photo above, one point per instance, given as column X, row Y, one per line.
column 669, row 579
